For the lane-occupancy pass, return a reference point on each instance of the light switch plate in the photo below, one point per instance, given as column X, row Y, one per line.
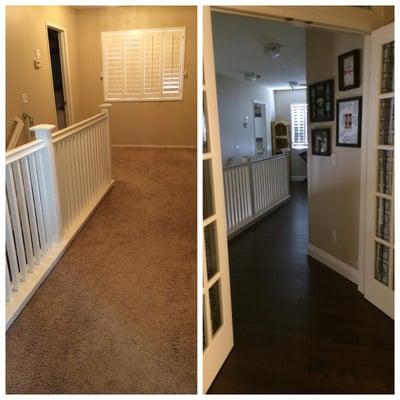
column 24, row 98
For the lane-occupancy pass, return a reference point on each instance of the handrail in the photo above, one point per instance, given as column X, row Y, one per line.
column 24, row 150
column 252, row 161
column 16, row 134
column 70, row 130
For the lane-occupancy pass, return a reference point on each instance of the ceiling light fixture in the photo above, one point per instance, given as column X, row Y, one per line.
column 272, row 49
column 250, row 76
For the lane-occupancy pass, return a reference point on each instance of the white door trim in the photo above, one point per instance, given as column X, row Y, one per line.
column 364, row 161
column 65, row 71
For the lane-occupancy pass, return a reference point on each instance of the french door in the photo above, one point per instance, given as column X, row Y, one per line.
column 217, row 313
column 379, row 257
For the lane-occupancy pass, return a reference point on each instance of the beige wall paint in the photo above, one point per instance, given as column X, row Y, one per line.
column 333, row 191
column 142, row 123
column 25, row 32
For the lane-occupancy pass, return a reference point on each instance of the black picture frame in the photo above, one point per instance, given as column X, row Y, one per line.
column 321, row 141
column 321, row 101
column 348, row 121
column 349, row 70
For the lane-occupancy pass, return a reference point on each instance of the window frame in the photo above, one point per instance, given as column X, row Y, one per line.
column 292, row 133
column 143, row 97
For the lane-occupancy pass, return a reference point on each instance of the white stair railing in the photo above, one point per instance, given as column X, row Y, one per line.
column 16, row 134
column 53, row 184
column 253, row 189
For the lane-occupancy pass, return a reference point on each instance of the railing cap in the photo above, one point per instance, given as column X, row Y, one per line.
column 105, row 105
column 42, row 127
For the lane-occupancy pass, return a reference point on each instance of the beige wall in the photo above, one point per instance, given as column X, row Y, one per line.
column 25, row 32
column 159, row 123
column 334, row 191
column 148, row 123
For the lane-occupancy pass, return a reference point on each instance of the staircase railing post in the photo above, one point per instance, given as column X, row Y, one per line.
column 105, row 108
column 286, row 152
column 52, row 199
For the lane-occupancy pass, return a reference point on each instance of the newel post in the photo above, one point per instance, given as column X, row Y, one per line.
column 105, row 108
column 51, row 195
column 286, row 152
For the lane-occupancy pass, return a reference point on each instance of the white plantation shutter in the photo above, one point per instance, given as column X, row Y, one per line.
column 113, row 54
column 172, row 67
column 299, row 124
column 145, row 64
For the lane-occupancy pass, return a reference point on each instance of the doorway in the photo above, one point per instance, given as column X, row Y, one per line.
column 60, row 75
column 262, row 139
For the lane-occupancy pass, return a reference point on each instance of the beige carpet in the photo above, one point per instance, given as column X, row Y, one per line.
column 118, row 313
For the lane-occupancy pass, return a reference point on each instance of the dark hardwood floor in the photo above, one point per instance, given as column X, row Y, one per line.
column 299, row 327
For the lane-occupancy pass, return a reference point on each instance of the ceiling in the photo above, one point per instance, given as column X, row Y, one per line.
column 238, row 47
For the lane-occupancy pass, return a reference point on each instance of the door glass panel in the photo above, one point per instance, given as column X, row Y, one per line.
column 387, row 68
column 382, row 263
column 206, row 144
column 385, row 171
column 383, row 219
column 386, row 122
column 208, row 203
column 215, row 306
column 210, row 238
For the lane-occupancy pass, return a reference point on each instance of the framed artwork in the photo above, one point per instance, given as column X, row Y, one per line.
column 321, row 101
column 348, row 122
column 321, row 141
column 349, row 70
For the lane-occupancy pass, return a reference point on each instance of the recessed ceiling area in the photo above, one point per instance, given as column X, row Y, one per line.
column 239, row 43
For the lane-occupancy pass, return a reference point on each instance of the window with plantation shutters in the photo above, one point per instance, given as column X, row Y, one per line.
column 299, row 124
column 144, row 64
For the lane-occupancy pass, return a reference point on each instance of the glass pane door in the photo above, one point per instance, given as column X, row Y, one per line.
column 217, row 314
column 379, row 278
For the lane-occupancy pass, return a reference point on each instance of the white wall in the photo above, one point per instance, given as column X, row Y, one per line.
column 283, row 100
column 333, row 189
column 235, row 101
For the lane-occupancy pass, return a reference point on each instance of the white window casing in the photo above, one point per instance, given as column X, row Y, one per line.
column 298, row 113
column 143, row 64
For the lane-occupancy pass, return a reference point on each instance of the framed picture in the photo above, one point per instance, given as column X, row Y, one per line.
column 349, row 70
column 321, row 101
column 321, row 141
column 348, row 122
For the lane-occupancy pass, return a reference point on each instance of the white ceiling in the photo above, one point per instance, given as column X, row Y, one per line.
column 238, row 47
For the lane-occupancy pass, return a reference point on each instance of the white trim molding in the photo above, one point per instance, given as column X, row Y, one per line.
column 298, row 178
column 156, row 146
column 332, row 262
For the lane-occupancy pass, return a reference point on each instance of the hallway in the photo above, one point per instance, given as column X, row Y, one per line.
column 299, row 327
column 118, row 313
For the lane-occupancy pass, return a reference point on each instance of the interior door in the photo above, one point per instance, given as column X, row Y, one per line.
column 379, row 257
column 217, row 313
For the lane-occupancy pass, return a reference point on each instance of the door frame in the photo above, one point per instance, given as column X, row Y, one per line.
column 65, row 72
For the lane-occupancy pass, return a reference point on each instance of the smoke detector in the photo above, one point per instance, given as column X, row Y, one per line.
column 272, row 49
column 250, row 76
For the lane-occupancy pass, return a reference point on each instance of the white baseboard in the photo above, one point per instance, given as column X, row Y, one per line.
column 155, row 146
column 33, row 280
column 297, row 178
column 332, row 262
